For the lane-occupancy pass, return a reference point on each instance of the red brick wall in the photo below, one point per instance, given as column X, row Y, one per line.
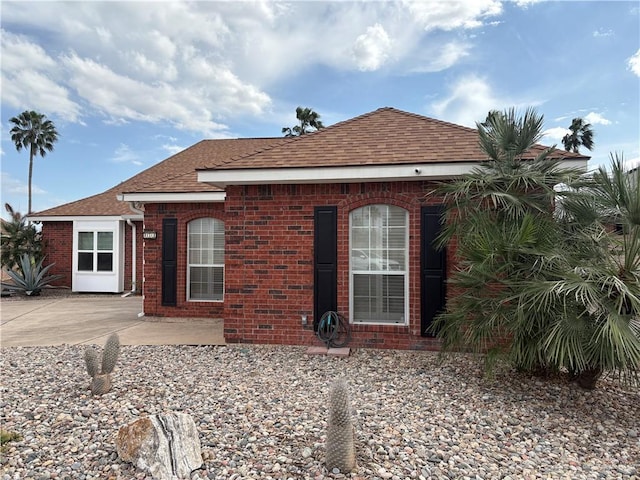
column 128, row 261
column 269, row 261
column 154, row 214
column 58, row 247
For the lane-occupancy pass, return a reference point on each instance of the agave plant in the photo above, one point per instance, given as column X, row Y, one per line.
column 31, row 276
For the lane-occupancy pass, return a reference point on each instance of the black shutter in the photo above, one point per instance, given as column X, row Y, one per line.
column 169, row 261
column 325, row 256
column 433, row 268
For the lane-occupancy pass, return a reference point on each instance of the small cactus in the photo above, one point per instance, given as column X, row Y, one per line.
column 110, row 353
column 92, row 361
column 101, row 384
column 340, row 433
column 100, row 369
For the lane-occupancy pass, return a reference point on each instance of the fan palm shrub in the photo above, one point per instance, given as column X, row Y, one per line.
column 525, row 273
column 592, row 293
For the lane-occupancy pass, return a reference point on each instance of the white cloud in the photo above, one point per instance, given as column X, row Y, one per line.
column 194, row 64
column 172, row 149
column 451, row 15
column 633, row 63
column 122, row 97
column 601, row 32
column 28, row 74
column 13, row 186
column 555, row 134
column 124, row 154
column 442, row 57
column 596, row 119
column 469, row 100
column 527, row 3
column 371, row 49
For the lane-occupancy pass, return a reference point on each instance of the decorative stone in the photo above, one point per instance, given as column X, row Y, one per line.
column 166, row 445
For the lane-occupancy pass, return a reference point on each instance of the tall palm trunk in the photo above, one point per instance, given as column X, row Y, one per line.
column 31, row 154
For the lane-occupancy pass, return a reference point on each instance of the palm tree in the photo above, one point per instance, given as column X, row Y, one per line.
column 308, row 119
column 34, row 132
column 594, row 295
column 500, row 216
column 547, row 289
column 581, row 135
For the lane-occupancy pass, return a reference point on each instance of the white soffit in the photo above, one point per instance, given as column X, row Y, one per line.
column 79, row 218
column 361, row 173
column 173, row 197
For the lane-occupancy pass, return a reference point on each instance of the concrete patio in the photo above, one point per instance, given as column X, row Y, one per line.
column 90, row 319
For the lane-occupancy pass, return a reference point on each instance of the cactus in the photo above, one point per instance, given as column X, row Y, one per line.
column 100, row 369
column 110, row 353
column 101, row 384
column 92, row 361
column 340, row 433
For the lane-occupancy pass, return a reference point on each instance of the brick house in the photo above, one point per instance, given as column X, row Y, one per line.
column 270, row 233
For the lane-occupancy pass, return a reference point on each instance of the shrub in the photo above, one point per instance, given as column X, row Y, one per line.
column 18, row 237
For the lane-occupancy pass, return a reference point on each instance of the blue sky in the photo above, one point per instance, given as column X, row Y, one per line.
column 130, row 83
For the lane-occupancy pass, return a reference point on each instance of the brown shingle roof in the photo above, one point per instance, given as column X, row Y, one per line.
column 175, row 174
column 386, row 136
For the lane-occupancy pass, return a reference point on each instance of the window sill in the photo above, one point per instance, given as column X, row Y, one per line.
column 379, row 324
column 89, row 272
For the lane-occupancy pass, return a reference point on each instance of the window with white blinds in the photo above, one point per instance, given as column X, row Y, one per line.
column 205, row 260
column 378, row 264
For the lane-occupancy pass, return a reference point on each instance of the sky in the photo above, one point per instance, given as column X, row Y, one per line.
column 128, row 84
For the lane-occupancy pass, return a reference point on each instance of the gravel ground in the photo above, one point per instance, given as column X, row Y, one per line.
column 261, row 413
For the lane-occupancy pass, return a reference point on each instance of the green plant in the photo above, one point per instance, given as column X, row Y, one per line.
column 6, row 437
column 340, row 433
column 17, row 238
column 548, row 288
column 100, row 368
column 33, row 132
column 308, row 119
column 31, row 277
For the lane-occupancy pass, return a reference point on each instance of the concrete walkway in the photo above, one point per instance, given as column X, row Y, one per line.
column 90, row 320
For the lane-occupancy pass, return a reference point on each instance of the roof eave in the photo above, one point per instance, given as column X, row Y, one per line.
column 361, row 173
column 172, row 197
column 75, row 218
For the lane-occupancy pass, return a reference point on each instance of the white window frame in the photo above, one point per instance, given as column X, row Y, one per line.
column 353, row 272
column 95, row 251
column 190, row 265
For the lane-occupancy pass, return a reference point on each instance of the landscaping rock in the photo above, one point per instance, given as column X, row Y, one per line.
column 165, row 445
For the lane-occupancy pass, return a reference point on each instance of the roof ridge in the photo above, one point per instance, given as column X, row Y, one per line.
column 321, row 132
column 158, row 181
column 277, row 142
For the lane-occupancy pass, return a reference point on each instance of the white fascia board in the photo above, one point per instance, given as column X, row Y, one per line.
column 580, row 164
column 133, row 217
column 173, row 197
column 363, row 173
column 76, row 218
column 360, row 173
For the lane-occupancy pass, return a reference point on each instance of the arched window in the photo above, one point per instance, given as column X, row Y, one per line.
column 378, row 264
column 205, row 272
